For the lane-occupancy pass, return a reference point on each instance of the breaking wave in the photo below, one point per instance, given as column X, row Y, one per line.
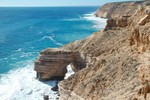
column 52, row 39
column 21, row 84
column 99, row 23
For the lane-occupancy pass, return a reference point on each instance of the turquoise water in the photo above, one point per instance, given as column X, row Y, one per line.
column 24, row 32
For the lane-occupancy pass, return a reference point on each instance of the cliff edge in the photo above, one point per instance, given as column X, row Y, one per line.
column 118, row 9
column 117, row 57
column 114, row 62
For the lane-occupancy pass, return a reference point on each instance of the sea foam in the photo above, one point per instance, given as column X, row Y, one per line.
column 69, row 72
column 52, row 39
column 21, row 84
column 99, row 23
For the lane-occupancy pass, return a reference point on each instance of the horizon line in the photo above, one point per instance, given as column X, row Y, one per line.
column 56, row 6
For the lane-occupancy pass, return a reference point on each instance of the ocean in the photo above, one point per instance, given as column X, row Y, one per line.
column 24, row 32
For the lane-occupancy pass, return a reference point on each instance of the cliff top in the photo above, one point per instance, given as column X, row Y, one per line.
column 118, row 9
column 117, row 58
column 54, row 51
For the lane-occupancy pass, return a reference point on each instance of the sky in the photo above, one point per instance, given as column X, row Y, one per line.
column 55, row 2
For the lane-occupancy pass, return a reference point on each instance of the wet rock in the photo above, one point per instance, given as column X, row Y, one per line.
column 46, row 97
column 55, row 88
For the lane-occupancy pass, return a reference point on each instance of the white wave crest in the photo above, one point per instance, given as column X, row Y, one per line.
column 52, row 39
column 89, row 14
column 72, row 19
column 98, row 22
column 18, row 50
column 21, row 84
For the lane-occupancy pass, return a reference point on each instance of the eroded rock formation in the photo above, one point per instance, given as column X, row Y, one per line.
column 52, row 63
column 118, row 57
column 117, row 10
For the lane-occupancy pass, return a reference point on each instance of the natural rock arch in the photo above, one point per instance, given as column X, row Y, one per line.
column 52, row 63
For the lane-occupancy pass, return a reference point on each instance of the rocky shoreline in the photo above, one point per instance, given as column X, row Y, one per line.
column 112, row 64
column 52, row 63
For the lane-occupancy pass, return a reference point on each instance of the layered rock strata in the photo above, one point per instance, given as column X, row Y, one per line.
column 118, row 9
column 118, row 57
column 52, row 63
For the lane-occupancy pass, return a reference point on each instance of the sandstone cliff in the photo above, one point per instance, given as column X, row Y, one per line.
column 117, row 58
column 118, row 9
column 112, row 64
column 52, row 63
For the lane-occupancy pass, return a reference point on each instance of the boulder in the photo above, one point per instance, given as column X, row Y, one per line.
column 144, row 20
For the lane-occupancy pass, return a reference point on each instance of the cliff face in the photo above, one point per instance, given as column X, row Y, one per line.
column 118, row 9
column 52, row 63
column 117, row 58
